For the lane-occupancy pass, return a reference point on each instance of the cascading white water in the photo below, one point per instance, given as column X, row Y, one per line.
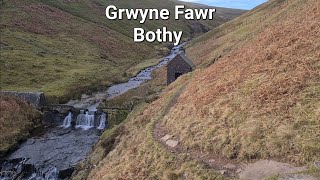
column 85, row 120
column 102, row 120
column 67, row 121
column 51, row 174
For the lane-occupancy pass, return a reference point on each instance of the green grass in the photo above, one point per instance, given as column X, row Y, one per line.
column 273, row 178
column 133, row 71
column 60, row 54
column 94, row 11
column 53, row 65
column 313, row 171
column 66, row 48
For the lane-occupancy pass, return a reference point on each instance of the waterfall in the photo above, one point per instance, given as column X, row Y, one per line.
column 85, row 120
column 102, row 120
column 51, row 174
column 67, row 121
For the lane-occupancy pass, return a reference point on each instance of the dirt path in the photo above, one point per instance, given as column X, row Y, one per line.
column 226, row 167
column 261, row 169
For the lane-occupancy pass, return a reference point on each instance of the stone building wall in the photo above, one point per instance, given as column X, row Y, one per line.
column 37, row 99
column 175, row 67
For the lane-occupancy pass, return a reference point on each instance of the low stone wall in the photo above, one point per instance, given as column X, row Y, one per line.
column 55, row 114
column 37, row 99
column 63, row 109
column 52, row 114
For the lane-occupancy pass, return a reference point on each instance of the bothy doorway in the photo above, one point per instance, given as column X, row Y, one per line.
column 176, row 75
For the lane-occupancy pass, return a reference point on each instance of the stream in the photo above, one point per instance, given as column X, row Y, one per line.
column 55, row 154
column 91, row 102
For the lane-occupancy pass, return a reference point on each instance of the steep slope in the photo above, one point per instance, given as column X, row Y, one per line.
column 260, row 99
column 65, row 48
column 17, row 120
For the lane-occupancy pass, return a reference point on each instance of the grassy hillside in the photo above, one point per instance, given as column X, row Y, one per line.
column 261, row 98
column 65, row 48
column 94, row 11
column 255, row 96
column 46, row 49
column 17, row 120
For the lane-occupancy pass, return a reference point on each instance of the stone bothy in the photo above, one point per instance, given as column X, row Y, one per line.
column 178, row 66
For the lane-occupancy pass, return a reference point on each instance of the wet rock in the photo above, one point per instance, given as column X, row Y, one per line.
column 28, row 170
column 16, row 169
column 166, row 137
column 84, row 96
column 66, row 173
column 172, row 143
column 230, row 166
column 59, row 148
column 317, row 164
